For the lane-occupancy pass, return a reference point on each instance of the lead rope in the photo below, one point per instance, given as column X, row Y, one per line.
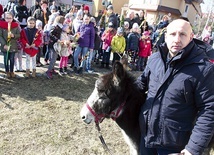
column 102, row 139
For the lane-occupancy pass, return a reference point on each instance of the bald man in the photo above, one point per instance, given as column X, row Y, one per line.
column 178, row 115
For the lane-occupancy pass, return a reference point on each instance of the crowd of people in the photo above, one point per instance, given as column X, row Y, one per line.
column 178, row 79
column 75, row 38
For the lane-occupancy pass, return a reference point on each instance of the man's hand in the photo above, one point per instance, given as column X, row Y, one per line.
column 186, row 152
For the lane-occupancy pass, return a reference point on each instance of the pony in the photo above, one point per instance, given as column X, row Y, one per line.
column 116, row 96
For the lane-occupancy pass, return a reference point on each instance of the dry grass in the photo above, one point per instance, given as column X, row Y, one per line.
column 41, row 117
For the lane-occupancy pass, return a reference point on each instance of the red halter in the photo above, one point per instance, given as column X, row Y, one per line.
column 100, row 117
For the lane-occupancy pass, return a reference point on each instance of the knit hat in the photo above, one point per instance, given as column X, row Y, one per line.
column 79, row 13
column 110, row 24
column 146, row 33
column 110, row 7
column 86, row 7
column 126, row 24
column 38, row 23
column 135, row 26
column 93, row 20
column 119, row 30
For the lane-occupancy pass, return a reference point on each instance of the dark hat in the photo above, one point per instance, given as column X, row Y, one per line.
column 110, row 7
column 110, row 24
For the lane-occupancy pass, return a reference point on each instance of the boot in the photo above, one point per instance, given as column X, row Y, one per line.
column 61, row 71
column 34, row 73
column 102, row 65
column 65, row 70
column 8, row 74
column 107, row 65
column 27, row 74
column 12, row 74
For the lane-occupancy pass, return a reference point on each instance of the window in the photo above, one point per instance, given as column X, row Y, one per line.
column 186, row 8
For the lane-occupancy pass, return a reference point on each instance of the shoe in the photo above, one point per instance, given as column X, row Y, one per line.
column 75, row 70
column 65, row 70
column 17, row 70
column 54, row 72
column 12, row 74
column 89, row 71
column 8, row 75
column 80, row 70
column 49, row 75
column 61, row 72
column 46, row 63
column 102, row 65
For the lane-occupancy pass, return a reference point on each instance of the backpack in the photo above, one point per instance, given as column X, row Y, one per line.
column 46, row 37
column 54, row 34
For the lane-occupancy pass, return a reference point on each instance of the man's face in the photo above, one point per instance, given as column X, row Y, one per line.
column 179, row 35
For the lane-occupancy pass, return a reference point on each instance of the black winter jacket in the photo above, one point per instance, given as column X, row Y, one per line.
column 179, row 110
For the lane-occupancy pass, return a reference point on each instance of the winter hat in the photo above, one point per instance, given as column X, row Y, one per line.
column 79, row 13
column 38, row 23
column 110, row 7
column 126, row 24
column 119, row 30
column 135, row 26
column 93, row 20
column 146, row 33
column 110, row 24
column 86, row 7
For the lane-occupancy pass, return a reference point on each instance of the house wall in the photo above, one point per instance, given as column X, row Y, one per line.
column 175, row 4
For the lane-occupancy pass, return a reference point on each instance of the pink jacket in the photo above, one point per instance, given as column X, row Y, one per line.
column 106, row 38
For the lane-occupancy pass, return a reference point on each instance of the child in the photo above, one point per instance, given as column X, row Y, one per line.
column 9, row 34
column 31, row 39
column 133, row 44
column 106, row 38
column 38, row 56
column 145, row 50
column 18, row 57
column 55, row 34
column 63, row 48
column 118, row 45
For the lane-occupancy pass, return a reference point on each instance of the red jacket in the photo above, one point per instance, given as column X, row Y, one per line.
column 37, row 41
column 144, row 48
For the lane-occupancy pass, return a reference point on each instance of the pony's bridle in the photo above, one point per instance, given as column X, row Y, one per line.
column 100, row 117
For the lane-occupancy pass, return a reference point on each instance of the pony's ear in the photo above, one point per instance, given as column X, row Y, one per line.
column 118, row 72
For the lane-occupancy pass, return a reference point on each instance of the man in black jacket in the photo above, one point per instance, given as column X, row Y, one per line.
column 178, row 115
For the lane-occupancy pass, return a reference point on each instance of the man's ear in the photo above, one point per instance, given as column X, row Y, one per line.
column 191, row 36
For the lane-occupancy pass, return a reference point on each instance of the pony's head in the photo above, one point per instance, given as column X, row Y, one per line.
column 108, row 97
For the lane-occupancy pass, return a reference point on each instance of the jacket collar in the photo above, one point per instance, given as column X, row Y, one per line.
column 189, row 54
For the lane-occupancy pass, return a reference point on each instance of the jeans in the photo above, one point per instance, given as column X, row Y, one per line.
column 80, row 50
column 53, row 56
column 9, row 61
column 89, row 60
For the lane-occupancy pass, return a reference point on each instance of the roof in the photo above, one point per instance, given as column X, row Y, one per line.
column 168, row 10
column 156, row 8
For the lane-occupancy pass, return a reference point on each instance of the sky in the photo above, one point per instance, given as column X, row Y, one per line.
column 205, row 6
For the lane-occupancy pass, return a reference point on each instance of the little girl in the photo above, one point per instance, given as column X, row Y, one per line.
column 31, row 39
column 145, row 50
column 10, row 32
column 38, row 56
column 63, row 47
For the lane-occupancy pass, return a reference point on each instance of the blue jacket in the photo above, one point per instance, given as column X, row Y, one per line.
column 133, row 42
column 87, row 35
column 179, row 110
